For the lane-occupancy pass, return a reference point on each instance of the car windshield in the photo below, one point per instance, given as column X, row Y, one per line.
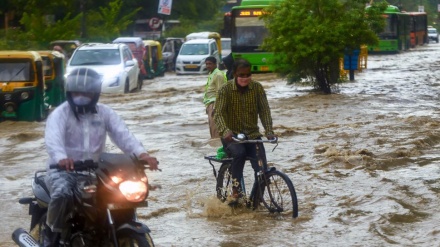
column 96, row 57
column 432, row 31
column 194, row 49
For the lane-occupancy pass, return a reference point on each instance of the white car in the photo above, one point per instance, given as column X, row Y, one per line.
column 192, row 55
column 115, row 63
column 432, row 34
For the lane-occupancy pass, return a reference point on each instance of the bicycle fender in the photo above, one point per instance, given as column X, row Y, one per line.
column 134, row 226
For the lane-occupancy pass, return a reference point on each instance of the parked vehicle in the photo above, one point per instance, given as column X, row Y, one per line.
column 226, row 46
column 153, row 60
column 226, row 50
column 22, row 86
column 192, row 55
column 208, row 35
column 170, row 50
column 106, row 199
column 114, row 62
column 137, row 48
column 67, row 46
column 433, row 34
column 54, row 67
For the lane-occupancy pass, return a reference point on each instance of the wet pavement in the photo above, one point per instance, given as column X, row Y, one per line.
column 364, row 160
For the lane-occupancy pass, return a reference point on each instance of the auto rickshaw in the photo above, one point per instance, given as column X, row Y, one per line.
column 54, row 67
column 137, row 48
column 153, row 60
column 65, row 46
column 22, row 86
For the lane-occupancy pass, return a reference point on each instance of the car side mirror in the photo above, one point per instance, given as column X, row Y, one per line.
column 129, row 63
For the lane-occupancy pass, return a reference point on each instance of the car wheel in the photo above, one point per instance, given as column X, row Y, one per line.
column 140, row 82
column 127, row 87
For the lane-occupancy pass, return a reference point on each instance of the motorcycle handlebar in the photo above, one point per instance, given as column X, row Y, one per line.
column 78, row 165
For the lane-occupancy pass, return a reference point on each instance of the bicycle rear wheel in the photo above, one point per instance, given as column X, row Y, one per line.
column 224, row 182
column 278, row 194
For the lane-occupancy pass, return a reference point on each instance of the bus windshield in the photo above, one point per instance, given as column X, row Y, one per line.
column 248, row 31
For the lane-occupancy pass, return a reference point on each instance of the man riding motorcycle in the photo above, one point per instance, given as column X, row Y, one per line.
column 77, row 130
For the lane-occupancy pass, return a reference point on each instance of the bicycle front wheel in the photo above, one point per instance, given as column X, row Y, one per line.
column 279, row 194
column 224, row 182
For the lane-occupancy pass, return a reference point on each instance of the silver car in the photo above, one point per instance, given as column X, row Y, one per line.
column 115, row 63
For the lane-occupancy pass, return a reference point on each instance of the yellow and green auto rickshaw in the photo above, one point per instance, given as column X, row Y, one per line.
column 22, row 86
column 153, row 60
column 54, row 67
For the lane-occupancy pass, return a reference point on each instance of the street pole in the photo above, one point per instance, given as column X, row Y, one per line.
column 83, row 18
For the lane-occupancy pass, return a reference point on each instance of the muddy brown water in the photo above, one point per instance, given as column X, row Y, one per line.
column 364, row 160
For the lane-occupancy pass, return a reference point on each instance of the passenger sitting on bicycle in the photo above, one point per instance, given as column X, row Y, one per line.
column 239, row 104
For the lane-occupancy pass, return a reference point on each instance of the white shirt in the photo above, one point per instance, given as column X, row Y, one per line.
column 66, row 137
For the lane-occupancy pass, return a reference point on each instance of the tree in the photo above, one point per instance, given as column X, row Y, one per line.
column 108, row 23
column 313, row 35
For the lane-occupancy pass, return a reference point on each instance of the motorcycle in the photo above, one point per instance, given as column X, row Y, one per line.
column 106, row 197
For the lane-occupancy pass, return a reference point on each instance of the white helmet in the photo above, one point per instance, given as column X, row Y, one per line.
column 83, row 80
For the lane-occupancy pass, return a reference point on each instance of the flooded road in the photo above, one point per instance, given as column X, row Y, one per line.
column 364, row 160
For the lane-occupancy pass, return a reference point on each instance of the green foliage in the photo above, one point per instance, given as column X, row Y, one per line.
column 103, row 25
column 107, row 23
column 40, row 32
column 313, row 35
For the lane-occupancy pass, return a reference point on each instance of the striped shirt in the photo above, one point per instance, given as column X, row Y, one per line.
column 238, row 112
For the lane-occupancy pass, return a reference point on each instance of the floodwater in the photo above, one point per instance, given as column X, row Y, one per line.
column 364, row 160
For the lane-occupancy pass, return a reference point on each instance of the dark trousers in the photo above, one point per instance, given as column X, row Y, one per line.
column 239, row 152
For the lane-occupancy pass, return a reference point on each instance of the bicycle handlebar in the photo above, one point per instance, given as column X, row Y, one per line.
column 273, row 141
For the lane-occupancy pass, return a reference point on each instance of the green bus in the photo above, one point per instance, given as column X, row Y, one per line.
column 22, row 86
column 396, row 35
column 248, row 32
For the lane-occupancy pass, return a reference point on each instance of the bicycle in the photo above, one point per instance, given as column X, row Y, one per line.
column 271, row 188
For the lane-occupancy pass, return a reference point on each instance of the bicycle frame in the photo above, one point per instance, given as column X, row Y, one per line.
column 270, row 187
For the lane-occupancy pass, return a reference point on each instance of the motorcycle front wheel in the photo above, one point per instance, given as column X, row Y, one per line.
column 131, row 238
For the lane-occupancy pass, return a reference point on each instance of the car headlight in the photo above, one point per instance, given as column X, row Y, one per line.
column 178, row 61
column 112, row 81
column 134, row 191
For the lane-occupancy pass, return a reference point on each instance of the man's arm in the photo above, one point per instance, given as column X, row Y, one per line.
column 220, row 111
column 54, row 136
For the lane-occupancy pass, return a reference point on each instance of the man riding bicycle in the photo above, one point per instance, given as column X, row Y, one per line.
column 239, row 104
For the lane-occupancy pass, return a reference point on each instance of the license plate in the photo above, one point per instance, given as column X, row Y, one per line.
column 121, row 205
column 7, row 88
column 191, row 66
column 264, row 68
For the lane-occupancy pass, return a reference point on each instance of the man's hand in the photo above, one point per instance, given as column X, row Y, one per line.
column 152, row 161
column 228, row 136
column 66, row 164
column 271, row 137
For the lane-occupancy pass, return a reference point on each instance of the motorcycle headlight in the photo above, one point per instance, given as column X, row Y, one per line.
column 134, row 191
